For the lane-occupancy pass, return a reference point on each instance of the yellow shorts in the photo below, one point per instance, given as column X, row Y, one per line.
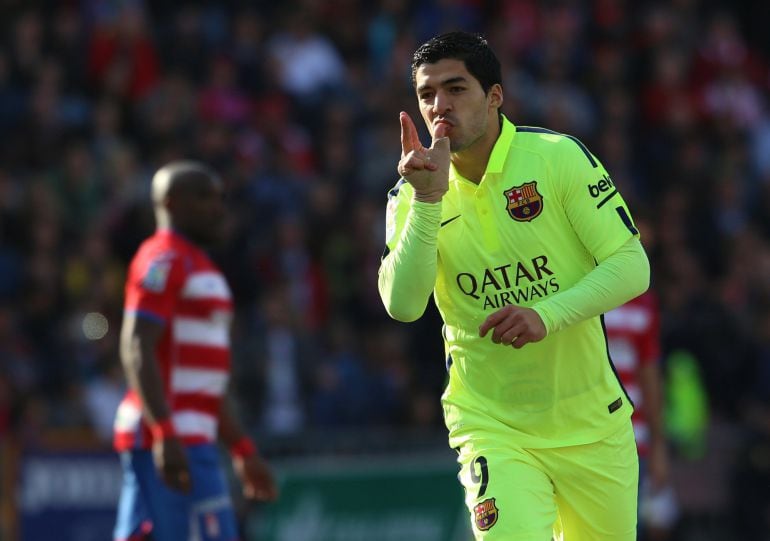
column 577, row 493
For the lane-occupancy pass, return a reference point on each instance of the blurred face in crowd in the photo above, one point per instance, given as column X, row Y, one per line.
column 448, row 94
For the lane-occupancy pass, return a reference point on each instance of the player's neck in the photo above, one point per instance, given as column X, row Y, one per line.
column 471, row 162
column 162, row 221
column 168, row 225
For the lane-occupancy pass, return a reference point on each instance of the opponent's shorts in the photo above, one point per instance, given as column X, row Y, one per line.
column 147, row 504
column 575, row 493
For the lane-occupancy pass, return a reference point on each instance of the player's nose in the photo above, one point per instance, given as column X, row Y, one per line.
column 441, row 103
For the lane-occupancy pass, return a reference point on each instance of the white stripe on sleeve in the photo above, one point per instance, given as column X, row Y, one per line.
column 127, row 417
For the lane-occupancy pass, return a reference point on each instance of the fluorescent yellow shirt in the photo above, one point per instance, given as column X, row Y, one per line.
column 530, row 233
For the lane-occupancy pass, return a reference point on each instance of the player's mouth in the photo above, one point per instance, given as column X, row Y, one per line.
column 445, row 125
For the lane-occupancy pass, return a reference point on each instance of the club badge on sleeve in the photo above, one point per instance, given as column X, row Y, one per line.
column 157, row 275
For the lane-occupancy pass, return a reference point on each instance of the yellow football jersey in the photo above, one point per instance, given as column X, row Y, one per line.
column 543, row 215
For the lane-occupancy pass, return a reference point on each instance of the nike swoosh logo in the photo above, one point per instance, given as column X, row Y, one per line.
column 449, row 220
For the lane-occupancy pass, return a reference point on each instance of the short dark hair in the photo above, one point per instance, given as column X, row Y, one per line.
column 472, row 49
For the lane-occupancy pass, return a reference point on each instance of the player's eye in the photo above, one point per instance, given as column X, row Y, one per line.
column 456, row 89
column 425, row 96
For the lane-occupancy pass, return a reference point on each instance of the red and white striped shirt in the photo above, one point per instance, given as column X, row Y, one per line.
column 174, row 282
column 633, row 336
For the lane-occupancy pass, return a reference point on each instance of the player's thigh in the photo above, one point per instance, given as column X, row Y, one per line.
column 508, row 496
column 213, row 517
column 204, row 514
column 168, row 510
column 596, row 488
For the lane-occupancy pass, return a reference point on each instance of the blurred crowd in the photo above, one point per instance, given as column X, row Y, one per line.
column 296, row 105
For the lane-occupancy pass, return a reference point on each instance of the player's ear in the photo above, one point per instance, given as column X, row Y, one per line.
column 495, row 95
column 172, row 204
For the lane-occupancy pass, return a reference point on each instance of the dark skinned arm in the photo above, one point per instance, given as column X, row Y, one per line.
column 139, row 338
column 251, row 469
column 651, row 385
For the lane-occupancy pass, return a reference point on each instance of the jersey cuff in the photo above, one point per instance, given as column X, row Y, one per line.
column 425, row 220
column 547, row 321
column 429, row 210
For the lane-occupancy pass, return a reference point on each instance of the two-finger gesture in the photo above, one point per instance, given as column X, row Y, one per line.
column 426, row 169
column 514, row 326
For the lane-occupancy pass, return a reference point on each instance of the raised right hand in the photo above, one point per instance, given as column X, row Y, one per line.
column 171, row 463
column 426, row 169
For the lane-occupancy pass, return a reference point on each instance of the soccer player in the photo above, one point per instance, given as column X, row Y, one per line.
column 633, row 337
column 176, row 355
column 525, row 242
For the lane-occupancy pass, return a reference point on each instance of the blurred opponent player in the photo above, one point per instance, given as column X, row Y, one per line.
column 175, row 350
column 633, row 337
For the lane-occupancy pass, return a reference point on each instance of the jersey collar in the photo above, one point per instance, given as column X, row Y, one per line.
column 171, row 232
column 502, row 146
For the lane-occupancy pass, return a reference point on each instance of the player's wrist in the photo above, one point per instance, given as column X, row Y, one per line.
column 545, row 317
column 244, row 447
column 162, row 429
column 431, row 196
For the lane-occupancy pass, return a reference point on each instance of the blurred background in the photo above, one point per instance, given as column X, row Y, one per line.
column 296, row 104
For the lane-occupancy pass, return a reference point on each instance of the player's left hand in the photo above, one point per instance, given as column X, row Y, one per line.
column 256, row 478
column 514, row 326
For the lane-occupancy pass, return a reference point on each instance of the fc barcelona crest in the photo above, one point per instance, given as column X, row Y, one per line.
column 486, row 514
column 525, row 203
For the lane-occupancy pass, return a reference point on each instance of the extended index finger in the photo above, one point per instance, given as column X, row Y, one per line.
column 492, row 321
column 409, row 139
